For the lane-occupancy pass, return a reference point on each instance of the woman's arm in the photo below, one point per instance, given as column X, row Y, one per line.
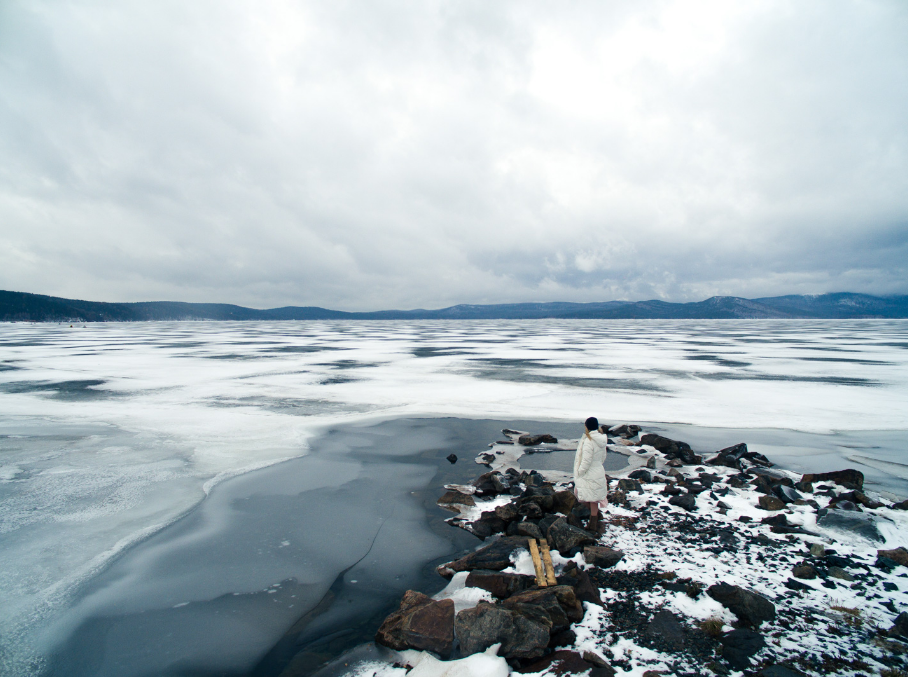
column 587, row 458
column 578, row 458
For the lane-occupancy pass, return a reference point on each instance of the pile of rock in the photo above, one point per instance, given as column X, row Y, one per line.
column 739, row 458
column 671, row 449
column 528, row 622
column 535, row 507
column 535, row 626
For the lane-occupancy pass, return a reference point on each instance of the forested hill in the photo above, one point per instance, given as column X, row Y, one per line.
column 20, row 306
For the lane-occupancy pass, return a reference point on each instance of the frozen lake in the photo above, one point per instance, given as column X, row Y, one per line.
column 110, row 432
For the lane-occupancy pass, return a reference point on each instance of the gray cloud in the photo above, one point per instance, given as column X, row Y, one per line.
column 364, row 155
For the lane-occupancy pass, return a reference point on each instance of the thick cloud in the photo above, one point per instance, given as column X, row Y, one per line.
column 364, row 155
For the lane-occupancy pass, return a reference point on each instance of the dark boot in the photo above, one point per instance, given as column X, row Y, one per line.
column 593, row 525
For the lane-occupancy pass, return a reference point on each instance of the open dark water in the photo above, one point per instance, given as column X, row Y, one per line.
column 281, row 569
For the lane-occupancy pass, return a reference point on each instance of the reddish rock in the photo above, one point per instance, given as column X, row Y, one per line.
column 899, row 555
column 602, row 556
column 451, row 499
column 567, row 539
column 770, row 503
column 848, row 478
column 420, row 623
column 805, row 571
column 533, row 440
column 521, row 635
column 499, row 584
column 563, row 502
column 559, row 601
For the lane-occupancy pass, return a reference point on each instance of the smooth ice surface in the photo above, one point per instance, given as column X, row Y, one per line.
column 108, row 432
column 220, row 586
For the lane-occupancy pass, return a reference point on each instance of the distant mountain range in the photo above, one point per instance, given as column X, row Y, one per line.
column 20, row 306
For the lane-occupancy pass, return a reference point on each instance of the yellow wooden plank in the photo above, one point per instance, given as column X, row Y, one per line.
column 537, row 564
column 547, row 562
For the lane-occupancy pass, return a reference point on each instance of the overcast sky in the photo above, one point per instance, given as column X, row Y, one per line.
column 386, row 154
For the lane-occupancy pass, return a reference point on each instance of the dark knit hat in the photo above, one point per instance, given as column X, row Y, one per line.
column 592, row 423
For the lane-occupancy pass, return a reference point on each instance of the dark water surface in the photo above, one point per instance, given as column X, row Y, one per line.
column 282, row 569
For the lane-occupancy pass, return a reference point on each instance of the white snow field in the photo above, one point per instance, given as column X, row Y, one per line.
column 109, row 432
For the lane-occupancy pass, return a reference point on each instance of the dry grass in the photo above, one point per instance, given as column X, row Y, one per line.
column 847, row 610
column 850, row 616
column 712, row 627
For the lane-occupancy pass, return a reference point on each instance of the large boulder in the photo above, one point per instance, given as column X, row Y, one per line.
column 585, row 590
column 770, row 503
column 860, row 524
column 501, row 585
column 786, row 494
column 730, row 457
column 579, row 579
column 750, row 607
column 804, row 571
column 531, row 511
column 489, row 484
column 898, row 555
column 495, row 556
column 628, row 485
column 641, row 474
column 420, row 623
column 739, row 645
column 602, row 556
column 520, row 634
column 451, row 499
column 567, row 539
column 563, row 502
column 859, row 498
column 900, row 627
column 774, row 477
column 506, row 512
column 686, row 501
column 544, row 502
column 492, row 522
column 671, row 448
column 533, row 440
column 848, row 478
column 560, row 596
column 792, row 584
column 530, row 530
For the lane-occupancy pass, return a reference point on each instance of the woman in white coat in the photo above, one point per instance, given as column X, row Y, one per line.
column 590, row 484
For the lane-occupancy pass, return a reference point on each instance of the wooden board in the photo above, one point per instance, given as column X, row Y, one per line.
column 547, row 562
column 537, row 564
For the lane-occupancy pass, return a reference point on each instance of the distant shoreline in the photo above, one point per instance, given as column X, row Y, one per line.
column 26, row 307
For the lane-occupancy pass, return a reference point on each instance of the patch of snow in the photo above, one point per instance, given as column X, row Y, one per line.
column 463, row 597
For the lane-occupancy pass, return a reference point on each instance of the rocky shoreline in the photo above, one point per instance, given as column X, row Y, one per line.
column 704, row 564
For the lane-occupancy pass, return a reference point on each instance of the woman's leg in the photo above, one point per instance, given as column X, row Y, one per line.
column 593, row 524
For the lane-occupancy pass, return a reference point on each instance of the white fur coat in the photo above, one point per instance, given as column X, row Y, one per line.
column 589, row 475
